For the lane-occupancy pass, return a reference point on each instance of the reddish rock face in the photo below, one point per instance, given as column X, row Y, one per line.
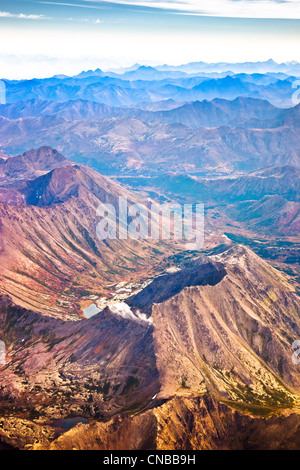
column 220, row 338
column 29, row 165
column 50, row 254
column 196, row 359
column 194, row 423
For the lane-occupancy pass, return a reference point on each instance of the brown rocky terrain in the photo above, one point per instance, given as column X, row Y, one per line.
column 90, row 367
column 129, row 145
column 51, row 258
column 30, row 165
column 271, row 214
column 191, row 423
column 223, row 337
column 200, row 358
column 147, row 344
column 219, row 336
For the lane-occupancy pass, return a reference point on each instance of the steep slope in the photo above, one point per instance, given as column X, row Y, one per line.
column 62, row 184
column 30, row 165
column 91, row 367
column 227, row 338
column 271, row 214
column 197, row 423
column 51, row 258
column 232, row 336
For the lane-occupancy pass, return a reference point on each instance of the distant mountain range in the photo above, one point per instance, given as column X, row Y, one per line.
column 246, row 67
column 138, row 71
column 245, row 112
column 147, row 343
column 142, row 122
column 122, row 91
column 118, row 146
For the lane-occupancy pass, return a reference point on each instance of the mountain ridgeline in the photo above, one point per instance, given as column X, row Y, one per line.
column 123, row 343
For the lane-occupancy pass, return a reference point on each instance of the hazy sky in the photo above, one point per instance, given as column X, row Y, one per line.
column 42, row 38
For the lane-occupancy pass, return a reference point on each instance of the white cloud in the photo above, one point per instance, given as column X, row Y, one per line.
column 69, row 4
column 21, row 16
column 123, row 310
column 40, row 52
column 86, row 20
column 285, row 9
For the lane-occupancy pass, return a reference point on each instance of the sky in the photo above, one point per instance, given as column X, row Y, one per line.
column 40, row 38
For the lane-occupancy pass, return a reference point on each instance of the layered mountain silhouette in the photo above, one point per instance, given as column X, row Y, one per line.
column 148, row 120
column 148, row 84
column 218, row 112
